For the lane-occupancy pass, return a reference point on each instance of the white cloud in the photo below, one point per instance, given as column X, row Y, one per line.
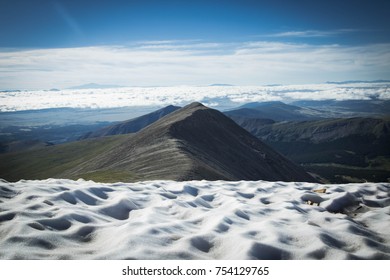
column 180, row 95
column 168, row 63
column 313, row 33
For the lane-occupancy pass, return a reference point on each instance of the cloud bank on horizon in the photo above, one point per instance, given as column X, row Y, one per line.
column 213, row 96
column 58, row 44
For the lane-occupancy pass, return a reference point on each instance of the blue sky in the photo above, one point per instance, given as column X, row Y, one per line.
column 56, row 43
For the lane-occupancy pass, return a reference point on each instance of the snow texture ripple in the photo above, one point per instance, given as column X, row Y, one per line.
column 65, row 219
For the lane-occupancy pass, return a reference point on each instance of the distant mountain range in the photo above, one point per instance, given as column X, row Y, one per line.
column 94, row 86
column 192, row 143
column 275, row 110
column 347, row 108
column 221, row 85
column 358, row 82
column 312, row 109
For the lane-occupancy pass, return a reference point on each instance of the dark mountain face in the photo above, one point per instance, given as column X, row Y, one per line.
column 132, row 125
column 217, row 144
column 192, row 143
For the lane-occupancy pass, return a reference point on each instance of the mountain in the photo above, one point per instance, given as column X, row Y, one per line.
column 192, row 143
column 312, row 109
column 133, row 125
column 339, row 150
column 358, row 82
column 94, row 86
column 320, row 131
column 274, row 110
column 348, row 108
column 221, row 85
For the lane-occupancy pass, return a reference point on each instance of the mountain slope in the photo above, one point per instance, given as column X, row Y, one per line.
column 318, row 131
column 194, row 142
column 339, row 150
column 133, row 125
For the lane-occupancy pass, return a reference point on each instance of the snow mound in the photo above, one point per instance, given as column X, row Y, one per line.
column 65, row 219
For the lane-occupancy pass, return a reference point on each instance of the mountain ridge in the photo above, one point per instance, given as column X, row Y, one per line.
column 205, row 156
column 192, row 143
column 132, row 125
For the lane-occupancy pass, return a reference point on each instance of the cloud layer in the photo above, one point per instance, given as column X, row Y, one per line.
column 168, row 63
column 313, row 33
column 214, row 96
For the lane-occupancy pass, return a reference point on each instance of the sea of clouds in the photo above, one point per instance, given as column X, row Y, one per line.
column 213, row 96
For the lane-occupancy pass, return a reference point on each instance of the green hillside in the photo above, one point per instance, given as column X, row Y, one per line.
column 55, row 161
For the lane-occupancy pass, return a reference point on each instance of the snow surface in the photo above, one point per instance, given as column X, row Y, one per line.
column 65, row 219
column 212, row 96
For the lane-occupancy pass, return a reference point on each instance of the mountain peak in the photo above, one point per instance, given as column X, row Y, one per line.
column 202, row 143
column 194, row 105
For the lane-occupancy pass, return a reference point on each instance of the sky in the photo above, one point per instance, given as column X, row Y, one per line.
column 58, row 44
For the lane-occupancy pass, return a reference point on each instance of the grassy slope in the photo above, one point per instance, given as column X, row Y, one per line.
column 54, row 161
